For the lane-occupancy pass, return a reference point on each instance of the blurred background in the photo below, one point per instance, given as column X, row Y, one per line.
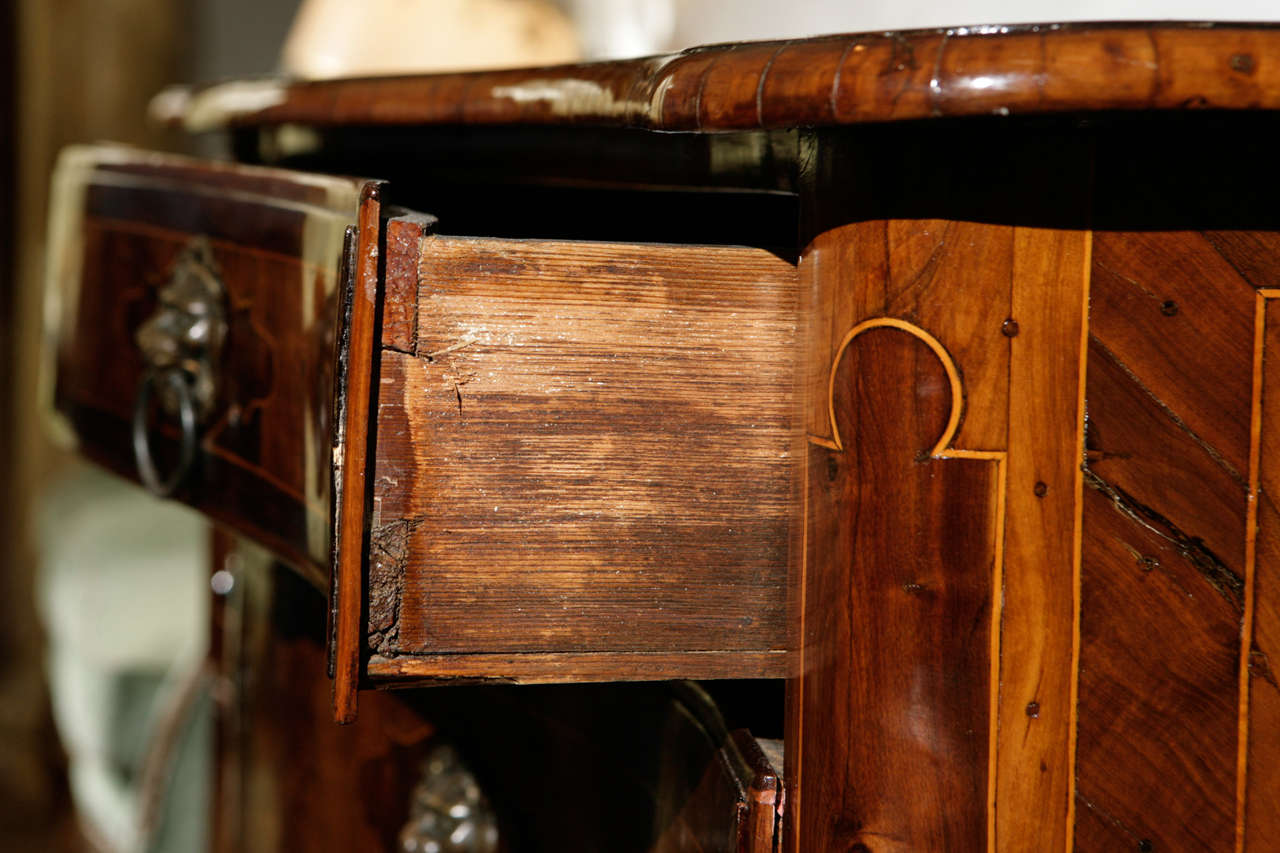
column 104, row 591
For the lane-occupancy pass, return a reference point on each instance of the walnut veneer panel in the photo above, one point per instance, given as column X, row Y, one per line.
column 1175, row 711
column 585, row 463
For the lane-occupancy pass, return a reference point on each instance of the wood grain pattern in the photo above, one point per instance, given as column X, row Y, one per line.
column 121, row 219
column 558, row 668
column 1007, row 302
column 846, row 79
column 930, row 262
column 894, row 747
column 1157, row 721
column 1033, row 761
column 591, row 450
column 352, row 457
column 1260, row 697
column 1152, row 291
column 1167, row 556
column 645, row 767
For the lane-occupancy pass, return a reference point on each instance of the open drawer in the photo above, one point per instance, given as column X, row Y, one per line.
column 515, row 459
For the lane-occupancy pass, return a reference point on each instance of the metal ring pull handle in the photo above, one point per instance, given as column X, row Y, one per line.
column 177, row 381
column 181, row 345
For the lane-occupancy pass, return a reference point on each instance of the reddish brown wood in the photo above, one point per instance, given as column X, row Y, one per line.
column 288, row 778
column 928, row 261
column 1159, row 647
column 869, row 77
column 1155, row 292
column 1034, row 763
column 353, row 447
column 400, row 281
column 894, row 744
column 713, row 799
column 622, row 767
column 760, row 830
column 1167, row 552
column 1260, row 719
column 1183, row 481
column 121, row 219
column 1006, row 302
column 591, row 453
column 563, row 378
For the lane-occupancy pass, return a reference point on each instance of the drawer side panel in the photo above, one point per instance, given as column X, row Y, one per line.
column 591, row 449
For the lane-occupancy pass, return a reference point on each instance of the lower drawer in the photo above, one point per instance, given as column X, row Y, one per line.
column 624, row 767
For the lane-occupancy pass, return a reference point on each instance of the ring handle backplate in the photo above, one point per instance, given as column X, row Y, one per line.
column 181, row 346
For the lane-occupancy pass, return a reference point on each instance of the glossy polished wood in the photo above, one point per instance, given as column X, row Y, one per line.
column 997, row 310
column 883, row 723
column 997, row 635
column 121, row 218
column 286, row 777
column 1175, row 702
column 847, row 79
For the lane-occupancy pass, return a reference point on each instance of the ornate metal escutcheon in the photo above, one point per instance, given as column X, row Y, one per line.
column 448, row 812
column 181, row 344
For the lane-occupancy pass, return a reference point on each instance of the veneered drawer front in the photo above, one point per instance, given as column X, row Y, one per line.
column 585, row 460
column 126, row 226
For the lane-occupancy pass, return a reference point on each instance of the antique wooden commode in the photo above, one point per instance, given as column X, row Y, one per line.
column 930, row 372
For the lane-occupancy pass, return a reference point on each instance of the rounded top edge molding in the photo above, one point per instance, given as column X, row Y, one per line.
column 1024, row 69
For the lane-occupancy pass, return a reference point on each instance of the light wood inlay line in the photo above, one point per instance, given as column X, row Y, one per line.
column 1077, row 546
column 1250, row 558
column 941, row 450
column 797, row 679
column 953, row 377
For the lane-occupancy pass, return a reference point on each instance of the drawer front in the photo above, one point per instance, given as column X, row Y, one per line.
column 158, row 263
column 585, row 461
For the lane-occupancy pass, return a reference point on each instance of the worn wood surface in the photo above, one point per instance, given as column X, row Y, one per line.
column 589, row 450
column 354, row 404
column 641, row 767
column 833, row 80
column 586, row 460
column 122, row 219
column 1157, row 717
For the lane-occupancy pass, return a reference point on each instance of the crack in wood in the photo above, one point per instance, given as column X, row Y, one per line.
column 1164, row 407
column 1106, row 815
column 1228, row 584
